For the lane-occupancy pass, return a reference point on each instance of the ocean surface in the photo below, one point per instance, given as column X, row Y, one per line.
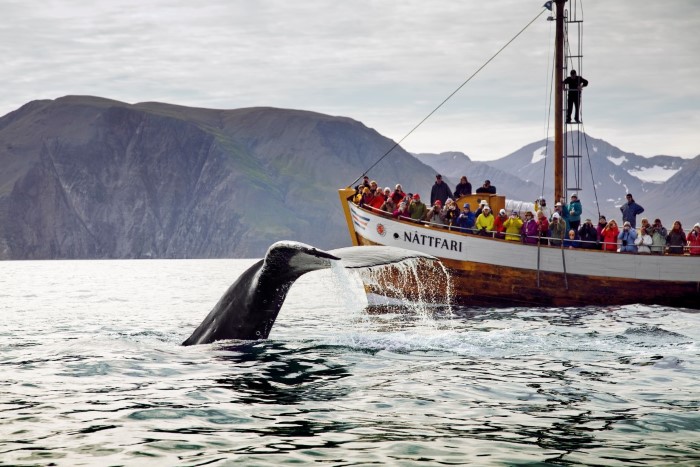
column 92, row 373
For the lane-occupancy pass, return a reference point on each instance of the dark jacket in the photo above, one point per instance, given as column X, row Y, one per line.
column 491, row 189
column 440, row 192
column 463, row 189
column 630, row 211
column 588, row 233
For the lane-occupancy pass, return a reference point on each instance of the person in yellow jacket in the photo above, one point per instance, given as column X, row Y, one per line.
column 484, row 223
column 513, row 226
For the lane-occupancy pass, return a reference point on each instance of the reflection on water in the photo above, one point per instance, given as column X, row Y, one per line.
column 93, row 373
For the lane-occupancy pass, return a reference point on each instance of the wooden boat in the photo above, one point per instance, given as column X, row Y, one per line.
column 492, row 272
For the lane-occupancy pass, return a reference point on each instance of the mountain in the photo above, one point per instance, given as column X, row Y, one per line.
column 615, row 172
column 86, row 177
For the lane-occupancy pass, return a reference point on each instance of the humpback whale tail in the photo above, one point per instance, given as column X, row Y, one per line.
column 250, row 306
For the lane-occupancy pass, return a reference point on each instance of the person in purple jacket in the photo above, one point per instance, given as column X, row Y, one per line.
column 528, row 231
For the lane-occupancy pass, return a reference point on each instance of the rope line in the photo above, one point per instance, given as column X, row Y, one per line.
column 448, row 98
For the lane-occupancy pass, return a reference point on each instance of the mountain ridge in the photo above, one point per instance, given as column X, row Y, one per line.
column 89, row 177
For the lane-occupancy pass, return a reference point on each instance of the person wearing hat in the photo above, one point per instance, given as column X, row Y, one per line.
column 484, row 223
column 498, row 224
column 630, row 210
column 482, row 203
column 513, row 225
column 440, row 191
column 557, row 230
column 466, row 219
column 574, row 209
column 417, row 209
column 627, row 238
column 528, row 232
column 435, row 214
column 559, row 209
column 450, row 212
column 694, row 240
column 542, row 228
column 588, row 235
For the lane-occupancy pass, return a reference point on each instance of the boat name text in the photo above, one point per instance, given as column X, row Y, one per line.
column 435, row 242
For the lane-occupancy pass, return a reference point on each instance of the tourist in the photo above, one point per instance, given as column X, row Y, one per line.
column 557, row 230
column 466, row 219
column 575, row 210
column 378, row 200
column 389, row 205
column 572, row 241
column 498, row 224
column 435, row 214
column 542, row 228
column 658, row 237
column 694, row 240
column 588, row 235
column 367, row 197
column 513, row 226
column 528, row 231
column 463, row 188
column 602, row 223
column 398, row 195
column 451, row 212
column 484, row 223
column 627, row 238
column 486, row 188
column 630, row 210
column 402, row 211
column 609, row 236
column 440, row 191
column 482, row 203
column 644, row 240
column 559, row 208
column 417, row 209
column 676, row 239
column 575, row 84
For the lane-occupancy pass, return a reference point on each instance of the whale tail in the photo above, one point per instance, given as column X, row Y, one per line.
column 250, row 306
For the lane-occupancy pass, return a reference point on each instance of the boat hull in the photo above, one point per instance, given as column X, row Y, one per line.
column 493, row 272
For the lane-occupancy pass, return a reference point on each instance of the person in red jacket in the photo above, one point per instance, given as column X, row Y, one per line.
column 542, row 228
column 694, row 240
column 498, row 224
column 609, row 236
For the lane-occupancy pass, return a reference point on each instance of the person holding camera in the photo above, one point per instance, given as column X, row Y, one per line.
column 627, row 238
column 609, row 236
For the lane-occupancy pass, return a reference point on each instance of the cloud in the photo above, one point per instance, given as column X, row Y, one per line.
column 384, row 63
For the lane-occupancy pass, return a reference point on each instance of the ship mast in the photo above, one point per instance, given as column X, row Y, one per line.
column 559, row 103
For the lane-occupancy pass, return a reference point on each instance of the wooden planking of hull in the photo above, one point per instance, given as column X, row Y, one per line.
column 492, row 272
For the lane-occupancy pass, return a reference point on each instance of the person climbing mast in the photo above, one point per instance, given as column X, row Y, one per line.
column 575, row 84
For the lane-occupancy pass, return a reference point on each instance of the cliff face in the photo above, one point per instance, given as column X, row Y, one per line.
column 87, row 177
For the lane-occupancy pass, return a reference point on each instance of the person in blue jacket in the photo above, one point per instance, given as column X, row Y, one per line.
column 575, row 210
column 467, row 219
column 630, row 211
column 627, row 236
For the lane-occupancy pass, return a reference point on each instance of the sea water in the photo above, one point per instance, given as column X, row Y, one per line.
column 92, row 373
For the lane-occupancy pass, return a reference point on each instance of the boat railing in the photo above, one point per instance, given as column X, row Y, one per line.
column 555, row 242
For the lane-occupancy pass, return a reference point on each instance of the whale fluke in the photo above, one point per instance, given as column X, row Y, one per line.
column 250, row 306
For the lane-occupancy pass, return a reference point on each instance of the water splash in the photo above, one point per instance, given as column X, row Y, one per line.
column 414, row 286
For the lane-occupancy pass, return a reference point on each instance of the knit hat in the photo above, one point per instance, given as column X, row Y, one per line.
column 485, row 208
column 416, row 196
column 555, row 215
column 502, row 212
column 438, row 202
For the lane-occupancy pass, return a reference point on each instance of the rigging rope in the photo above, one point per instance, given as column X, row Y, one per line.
column 447, row 98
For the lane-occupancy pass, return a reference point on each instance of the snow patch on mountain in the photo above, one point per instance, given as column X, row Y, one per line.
column 539, row 154
column 617, row 160
column 655, row 174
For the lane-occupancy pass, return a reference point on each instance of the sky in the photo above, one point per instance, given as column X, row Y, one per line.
column 385, row 63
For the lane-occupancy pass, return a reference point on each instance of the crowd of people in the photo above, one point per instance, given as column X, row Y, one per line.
column 562, row 228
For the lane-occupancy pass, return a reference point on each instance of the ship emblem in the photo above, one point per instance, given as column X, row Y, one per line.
column 381, row 230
